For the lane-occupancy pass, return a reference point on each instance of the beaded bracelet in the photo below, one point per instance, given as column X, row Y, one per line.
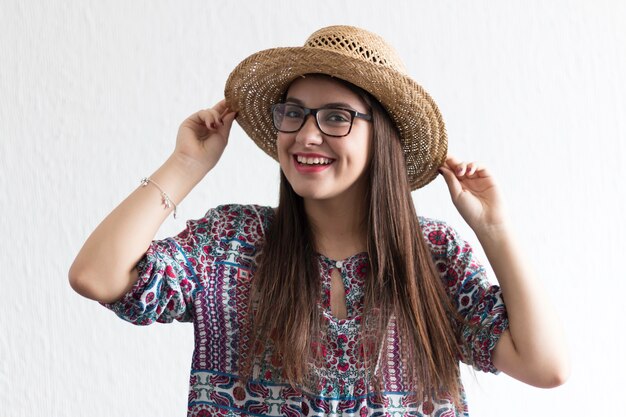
column 167, row 201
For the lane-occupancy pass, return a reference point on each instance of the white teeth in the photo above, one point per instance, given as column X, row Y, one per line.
column 313, row 161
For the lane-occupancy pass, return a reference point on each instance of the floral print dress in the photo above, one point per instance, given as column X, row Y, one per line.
column 203, row 275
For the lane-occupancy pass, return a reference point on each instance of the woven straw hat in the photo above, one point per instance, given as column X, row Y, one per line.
column 354, row 55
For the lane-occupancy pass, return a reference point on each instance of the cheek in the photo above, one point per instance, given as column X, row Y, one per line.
column 361, row 154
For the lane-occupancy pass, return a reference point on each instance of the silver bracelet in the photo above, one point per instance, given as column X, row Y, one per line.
column 167, row 201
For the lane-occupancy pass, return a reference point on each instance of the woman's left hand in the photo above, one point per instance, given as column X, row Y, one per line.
column 533, row 348
column 474, row 193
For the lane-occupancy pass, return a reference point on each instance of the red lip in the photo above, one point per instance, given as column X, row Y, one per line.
column 306, row 169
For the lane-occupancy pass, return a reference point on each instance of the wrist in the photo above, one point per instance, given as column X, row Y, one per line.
column 493, row 232
column 188, row 166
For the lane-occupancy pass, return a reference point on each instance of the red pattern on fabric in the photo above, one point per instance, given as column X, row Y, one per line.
column 203, row 276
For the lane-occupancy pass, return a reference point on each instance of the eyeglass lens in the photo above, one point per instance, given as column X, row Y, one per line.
column 289, row 118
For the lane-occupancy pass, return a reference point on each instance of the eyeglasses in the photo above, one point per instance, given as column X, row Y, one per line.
column 336, row 122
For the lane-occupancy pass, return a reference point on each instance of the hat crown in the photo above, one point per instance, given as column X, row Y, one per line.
column 357, row 43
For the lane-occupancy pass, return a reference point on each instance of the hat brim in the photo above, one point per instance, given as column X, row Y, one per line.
column 261, row 80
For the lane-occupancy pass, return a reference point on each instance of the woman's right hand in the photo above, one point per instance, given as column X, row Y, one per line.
column 203, row 136
column 105, row 267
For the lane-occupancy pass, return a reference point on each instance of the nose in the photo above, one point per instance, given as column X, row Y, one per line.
column 309, row 133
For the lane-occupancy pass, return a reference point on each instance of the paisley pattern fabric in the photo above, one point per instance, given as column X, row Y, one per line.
column 203, row 275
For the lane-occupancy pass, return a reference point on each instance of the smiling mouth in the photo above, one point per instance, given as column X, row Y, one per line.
column 311, row 166
column 314, row 161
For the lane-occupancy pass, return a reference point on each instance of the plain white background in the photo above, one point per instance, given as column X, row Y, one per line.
column 91, row 97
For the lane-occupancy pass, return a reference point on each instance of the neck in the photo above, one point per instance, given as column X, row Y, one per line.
column 339, row 226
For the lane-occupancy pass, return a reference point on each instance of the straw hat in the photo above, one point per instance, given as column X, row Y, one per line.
column 354, row 55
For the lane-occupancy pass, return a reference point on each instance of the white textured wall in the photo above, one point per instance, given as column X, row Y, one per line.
column 91, row 96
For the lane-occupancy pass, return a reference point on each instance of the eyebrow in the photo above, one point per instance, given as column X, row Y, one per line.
column 327, row 105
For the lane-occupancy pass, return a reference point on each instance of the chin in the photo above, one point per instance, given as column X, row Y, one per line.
column 312, row 194
column 322, row 190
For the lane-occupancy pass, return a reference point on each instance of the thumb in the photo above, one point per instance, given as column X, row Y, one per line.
column 228, row 118
column 453, row 183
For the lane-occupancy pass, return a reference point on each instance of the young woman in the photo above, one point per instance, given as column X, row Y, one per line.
column 340, row 301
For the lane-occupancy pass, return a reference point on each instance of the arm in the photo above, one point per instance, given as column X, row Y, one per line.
column 533, row 348
column 104, row 269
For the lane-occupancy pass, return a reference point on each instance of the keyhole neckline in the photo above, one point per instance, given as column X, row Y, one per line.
column 349, row 270
column 340, row 263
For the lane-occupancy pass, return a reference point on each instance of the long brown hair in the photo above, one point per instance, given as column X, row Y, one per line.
column 403, row 288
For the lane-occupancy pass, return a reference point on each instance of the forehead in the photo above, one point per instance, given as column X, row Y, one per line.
column 318, row 90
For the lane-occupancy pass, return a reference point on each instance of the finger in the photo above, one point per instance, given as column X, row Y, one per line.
column 221, row 107
column 224, row 110
column 197, row 117
column 210, row 118
column 472, row 167
column 452, row 161
column 455, row 164
column 203, row 118
column 228, row 118
column 483, row 172
column 460, row 169
column 215, row 114
column 453, row 183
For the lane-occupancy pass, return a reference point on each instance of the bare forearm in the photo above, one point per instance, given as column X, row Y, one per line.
column 103, row 269
column 535, row 329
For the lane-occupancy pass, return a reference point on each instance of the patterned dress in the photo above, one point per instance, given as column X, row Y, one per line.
column 203, row 276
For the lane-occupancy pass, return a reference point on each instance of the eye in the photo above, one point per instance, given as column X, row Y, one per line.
column 337, row 116
column 294, row 112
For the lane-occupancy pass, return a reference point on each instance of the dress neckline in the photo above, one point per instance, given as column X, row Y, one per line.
column 344, row 261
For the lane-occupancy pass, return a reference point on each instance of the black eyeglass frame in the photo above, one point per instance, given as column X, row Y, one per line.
column 314, row 112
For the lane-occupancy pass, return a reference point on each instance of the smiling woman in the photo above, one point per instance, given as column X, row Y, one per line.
column 342, row 300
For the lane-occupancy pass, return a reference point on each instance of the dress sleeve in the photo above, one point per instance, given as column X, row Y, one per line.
column 478, row 301
column 171, row 272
